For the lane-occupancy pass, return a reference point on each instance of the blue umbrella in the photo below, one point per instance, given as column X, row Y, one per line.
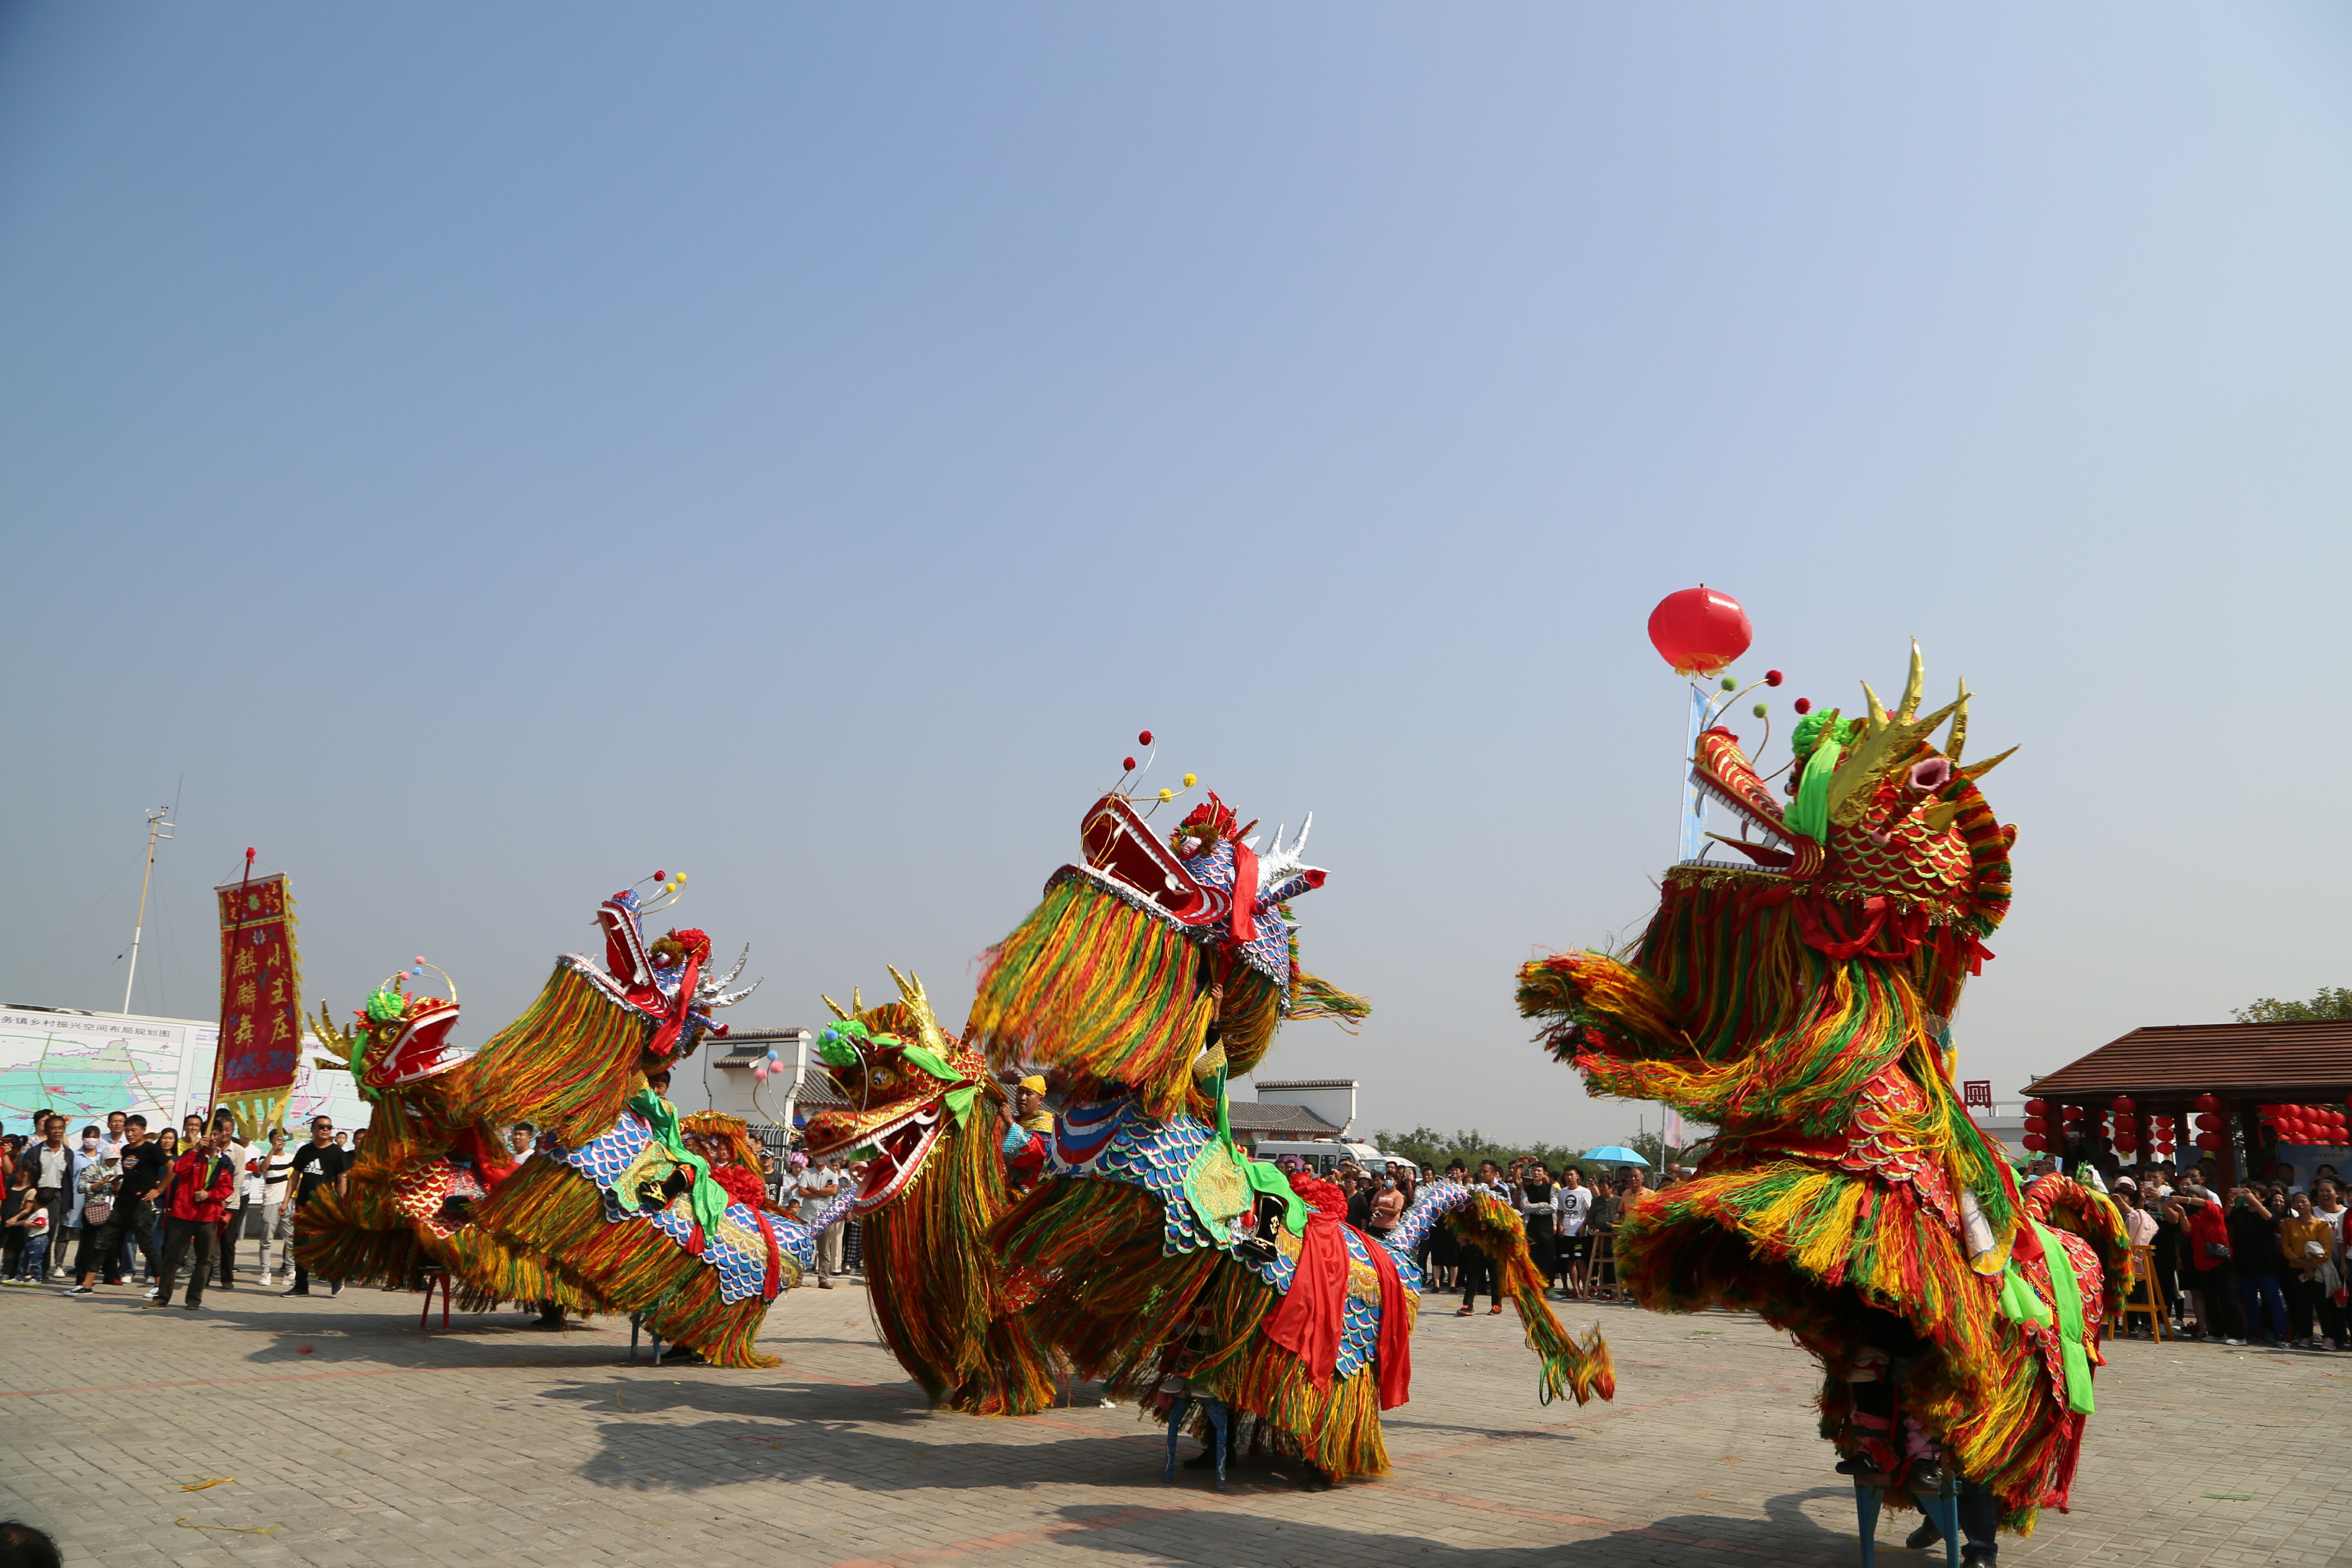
column 1615, row 1155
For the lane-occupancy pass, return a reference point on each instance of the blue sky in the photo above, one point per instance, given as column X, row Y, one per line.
column 493, row 452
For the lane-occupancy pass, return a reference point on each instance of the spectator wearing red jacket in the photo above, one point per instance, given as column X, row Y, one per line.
column 2213, row 1276
column 202, row 1180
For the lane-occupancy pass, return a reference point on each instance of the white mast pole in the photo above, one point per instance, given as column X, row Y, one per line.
column 156, row 822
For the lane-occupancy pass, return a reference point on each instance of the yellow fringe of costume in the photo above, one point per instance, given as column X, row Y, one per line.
column 550, row 1211
column 568, row 1066
column 1116, row 999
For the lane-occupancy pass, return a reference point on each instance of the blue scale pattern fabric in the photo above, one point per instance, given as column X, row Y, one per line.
column 1429, row 1205
column 605, row 1158
column 1153, row 1155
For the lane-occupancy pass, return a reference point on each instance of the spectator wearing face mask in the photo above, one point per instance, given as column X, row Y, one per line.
column 128, row 1210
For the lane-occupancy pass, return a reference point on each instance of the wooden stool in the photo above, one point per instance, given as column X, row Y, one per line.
column 2144, row 1275
column 434, row 1277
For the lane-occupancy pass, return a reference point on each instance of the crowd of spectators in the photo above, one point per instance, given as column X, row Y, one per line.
column 2263, row 1261
column 1571, row 1222
column 118, row 1203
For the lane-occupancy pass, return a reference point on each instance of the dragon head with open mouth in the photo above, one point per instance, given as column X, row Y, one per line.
column 907, row 1080
column 1873, row 808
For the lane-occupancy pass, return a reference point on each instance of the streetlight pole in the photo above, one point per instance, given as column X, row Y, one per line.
column 157, row 821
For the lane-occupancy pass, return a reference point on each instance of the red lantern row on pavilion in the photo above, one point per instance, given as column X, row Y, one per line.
column 2305, row 1124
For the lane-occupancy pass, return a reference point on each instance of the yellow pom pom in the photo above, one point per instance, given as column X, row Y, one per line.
column 1191, row 779
column 1168, row 794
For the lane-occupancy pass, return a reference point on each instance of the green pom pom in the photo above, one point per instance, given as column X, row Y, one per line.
column 387, row 1005
column 1731, row 683
column 1760, row 710
column 1809, row 731
column 835, row 1045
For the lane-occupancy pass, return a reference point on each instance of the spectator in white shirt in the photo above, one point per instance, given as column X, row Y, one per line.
column 1571, row 1204
column 819, row 1184
column 266, row 1216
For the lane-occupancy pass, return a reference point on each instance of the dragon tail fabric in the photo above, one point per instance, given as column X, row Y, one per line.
column 1580, row 1371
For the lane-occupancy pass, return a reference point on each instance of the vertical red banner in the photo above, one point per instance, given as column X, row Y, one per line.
column 261, row 989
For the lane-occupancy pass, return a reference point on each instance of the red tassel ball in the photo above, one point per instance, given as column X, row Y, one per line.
column 1803, row 705
column 1128, row 764
column 1144, row 738
column 1773, row 677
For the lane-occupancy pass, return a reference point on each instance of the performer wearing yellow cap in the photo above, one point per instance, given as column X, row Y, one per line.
column 1032, row 1125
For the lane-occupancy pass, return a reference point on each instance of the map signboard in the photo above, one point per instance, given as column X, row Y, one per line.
column 86, row 1065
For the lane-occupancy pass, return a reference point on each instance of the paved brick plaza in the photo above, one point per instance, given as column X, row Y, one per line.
column 366, row 1443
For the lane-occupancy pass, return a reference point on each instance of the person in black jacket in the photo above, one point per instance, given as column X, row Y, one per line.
column 2254, row 1247
column 133, row 1214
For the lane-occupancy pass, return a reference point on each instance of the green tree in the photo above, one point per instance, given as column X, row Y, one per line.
column 2332, row 1003
column 1427, row 1146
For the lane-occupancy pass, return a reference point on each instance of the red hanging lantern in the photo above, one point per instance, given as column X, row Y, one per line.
column 1699, row 630
column 2034, row 1143
column 2072, row 1113
column 2208, row 1102
column 2209, row 1141
column 2208, row 1121
column 2037, row 1124
column 2125, row 1140
column 2123, row 1105
column 2037, row 1108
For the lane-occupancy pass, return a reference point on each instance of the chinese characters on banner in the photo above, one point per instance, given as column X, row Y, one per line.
column 1977, row 1091
column 260, row 1011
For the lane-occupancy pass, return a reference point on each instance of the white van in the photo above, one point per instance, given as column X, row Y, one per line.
column 1322, row 1153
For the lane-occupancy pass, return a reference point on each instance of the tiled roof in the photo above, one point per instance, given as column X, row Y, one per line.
column 1265, row 1084
column 1256, row 1116
column 2305, row 1062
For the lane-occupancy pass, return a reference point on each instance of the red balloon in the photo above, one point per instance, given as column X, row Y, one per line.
column 1699, row 630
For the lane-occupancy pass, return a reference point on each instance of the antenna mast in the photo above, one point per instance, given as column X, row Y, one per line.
column 158, row 820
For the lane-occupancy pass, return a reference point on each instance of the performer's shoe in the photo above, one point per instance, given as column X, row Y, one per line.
column 294, row 1290
column 1319, row 1479
column 1973, row 1554
column 682, row 1355
column 1207, row 1459
column 1926, row 1475
column 1923, row 1537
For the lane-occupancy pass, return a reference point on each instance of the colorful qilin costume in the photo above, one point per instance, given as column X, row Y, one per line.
column 1800, row 1003
column 922, row 1116
column 1153, row 1252
column 618, row 1210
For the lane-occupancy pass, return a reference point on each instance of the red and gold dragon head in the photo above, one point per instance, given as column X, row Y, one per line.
column 908, row 1082
column 1876, row 812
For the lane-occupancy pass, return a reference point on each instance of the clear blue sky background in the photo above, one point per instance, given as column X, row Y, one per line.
column 495, row 451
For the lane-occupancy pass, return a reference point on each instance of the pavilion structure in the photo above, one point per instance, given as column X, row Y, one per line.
column 2163, row 1073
